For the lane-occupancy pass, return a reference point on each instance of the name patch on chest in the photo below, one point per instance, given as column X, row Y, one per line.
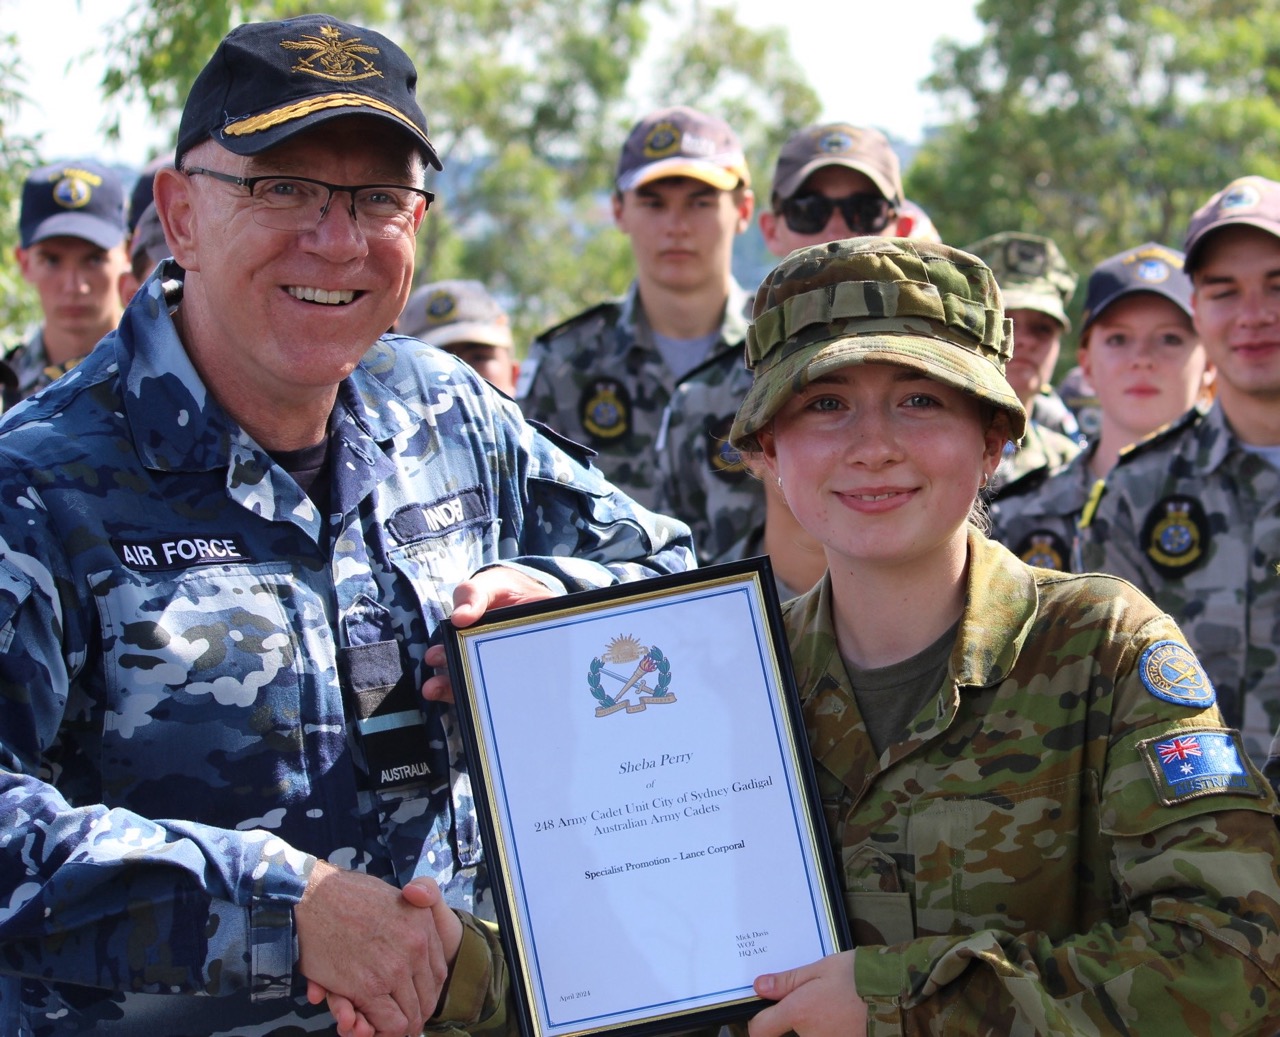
column 167, row 554
column 420, row 521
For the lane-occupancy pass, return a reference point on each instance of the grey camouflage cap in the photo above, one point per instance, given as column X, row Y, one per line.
column 867, row 151
column 1032, row 272
column 446, row 313
column 918, row 304
column 1251, row 201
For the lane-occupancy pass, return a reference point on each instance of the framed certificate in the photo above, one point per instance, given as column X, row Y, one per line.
column 646, row 797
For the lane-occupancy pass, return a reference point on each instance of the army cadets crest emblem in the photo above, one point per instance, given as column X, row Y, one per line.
column 1171, row 672
column 1175, row 535
column 605, row 410
column 725, row 459
column 646, row 663
column 1044, row 549
column 331, row 57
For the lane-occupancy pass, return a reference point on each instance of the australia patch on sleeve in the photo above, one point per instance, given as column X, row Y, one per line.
column 1185, row 764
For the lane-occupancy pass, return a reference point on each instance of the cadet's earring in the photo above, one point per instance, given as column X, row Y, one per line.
column 985, row 479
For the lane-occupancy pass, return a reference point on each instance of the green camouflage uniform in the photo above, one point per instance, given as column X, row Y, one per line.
column 1193, row 519
column 1041, row 447
column 1027, row 859
column 1035, row 516
column 598, row 379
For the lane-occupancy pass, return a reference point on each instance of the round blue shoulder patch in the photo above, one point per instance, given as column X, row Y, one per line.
column 1171, row 672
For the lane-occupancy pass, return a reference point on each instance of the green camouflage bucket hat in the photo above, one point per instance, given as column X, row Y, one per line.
column 917, row 304
column 1032, row 272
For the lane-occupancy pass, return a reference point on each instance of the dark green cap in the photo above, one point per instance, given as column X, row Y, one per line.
column 1032, row 272
column 917, row 304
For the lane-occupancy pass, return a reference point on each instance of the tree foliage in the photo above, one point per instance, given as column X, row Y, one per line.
column 528, row 102
column 1101, row 123
column 17, row 158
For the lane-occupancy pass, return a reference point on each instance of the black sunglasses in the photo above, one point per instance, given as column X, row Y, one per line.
column 864, row 213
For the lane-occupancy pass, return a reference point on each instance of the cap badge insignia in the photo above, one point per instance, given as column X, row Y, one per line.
column 332, row 57
column 75, row 188
column 1153, row 271
column 1239, row 197
column 440, row 306
column 663, row 140
column 835, row 143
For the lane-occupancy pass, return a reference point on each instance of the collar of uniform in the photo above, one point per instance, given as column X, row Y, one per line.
column 637, row 334
column 1000, row 605
column 1215, row 440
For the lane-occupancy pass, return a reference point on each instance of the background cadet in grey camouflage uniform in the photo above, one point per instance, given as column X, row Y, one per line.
column 1192, row 515
column 1042, row 825
column 604, row 377
column 226, row 542
column 462, row 318
column 1037, row 284
column 71, row 250
column 1138, row 345
column 831, row 181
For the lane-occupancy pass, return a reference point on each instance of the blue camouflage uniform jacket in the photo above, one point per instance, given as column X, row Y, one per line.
column 183, row 636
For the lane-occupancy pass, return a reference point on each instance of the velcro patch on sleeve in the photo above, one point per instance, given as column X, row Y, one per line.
column 1185, row 764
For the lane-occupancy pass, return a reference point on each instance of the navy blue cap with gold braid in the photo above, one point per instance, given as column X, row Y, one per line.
column 270, row 80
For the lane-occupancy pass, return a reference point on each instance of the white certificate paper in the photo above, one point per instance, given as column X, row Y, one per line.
column 643, row 776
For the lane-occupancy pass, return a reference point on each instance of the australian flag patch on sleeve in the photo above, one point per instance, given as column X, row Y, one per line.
column 1185, row 764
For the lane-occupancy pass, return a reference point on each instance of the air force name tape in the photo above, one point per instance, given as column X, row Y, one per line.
column 166, row 554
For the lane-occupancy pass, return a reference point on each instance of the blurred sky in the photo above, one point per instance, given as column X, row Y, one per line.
column 865, row 60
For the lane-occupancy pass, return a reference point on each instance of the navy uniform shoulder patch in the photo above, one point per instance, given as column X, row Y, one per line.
column 1026, row 482
column 606, row 311
column 1188, row 764
column 1175, row 536
column 605, row 410
column 724, row 458
column 1159, row 437
column 1170, row 671
column 1045, row 549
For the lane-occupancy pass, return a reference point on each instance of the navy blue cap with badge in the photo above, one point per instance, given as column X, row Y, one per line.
column 1147, row 268
column 76, row 198
column 1250, row 201
column 270, row 80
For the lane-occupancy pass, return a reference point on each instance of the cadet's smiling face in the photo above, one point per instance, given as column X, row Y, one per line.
column 282, row 314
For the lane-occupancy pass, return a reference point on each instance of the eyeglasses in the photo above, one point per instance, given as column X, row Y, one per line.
column 864, row 213
column 298, row 203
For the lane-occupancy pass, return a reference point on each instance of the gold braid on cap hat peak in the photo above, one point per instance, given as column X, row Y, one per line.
column 888, row 305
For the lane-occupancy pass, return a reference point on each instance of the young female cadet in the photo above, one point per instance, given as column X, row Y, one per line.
column 1041, row 821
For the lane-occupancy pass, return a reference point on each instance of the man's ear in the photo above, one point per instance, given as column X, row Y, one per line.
column 746, row 204
column 24, row 261
column 175, row 205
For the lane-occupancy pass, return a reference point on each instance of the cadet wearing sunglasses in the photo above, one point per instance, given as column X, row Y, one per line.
column 831, row 181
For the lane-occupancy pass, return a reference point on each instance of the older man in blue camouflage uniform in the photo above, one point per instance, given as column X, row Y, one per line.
column 604, row 377
column 1192, row 514
column 226, row 541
